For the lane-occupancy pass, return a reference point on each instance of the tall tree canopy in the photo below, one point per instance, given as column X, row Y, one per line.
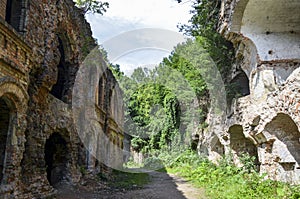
column 93, row 6
column 204, row 23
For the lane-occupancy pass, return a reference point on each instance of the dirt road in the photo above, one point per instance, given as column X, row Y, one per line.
column 161, row 186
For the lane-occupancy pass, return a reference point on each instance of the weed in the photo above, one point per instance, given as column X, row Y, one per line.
column 226, row 181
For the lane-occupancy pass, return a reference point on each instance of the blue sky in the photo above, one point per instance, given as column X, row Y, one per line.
column 128, row 15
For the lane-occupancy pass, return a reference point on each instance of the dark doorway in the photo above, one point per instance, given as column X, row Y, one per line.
column 241, row 84
column 60, row 88
column 4, row 128
column 238, row 87
column 56, row 157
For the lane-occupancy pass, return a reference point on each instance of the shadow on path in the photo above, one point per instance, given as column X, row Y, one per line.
column 161, row 186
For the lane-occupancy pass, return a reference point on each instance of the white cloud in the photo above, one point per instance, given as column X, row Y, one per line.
column 131, row 61
column 127, row 15
column 157, row 13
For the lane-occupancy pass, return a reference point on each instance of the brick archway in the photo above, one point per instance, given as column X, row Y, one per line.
column 5, row 134
column 13, row 105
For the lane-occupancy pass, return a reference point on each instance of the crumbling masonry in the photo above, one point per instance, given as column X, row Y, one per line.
column 42, row 45
column 265, row 120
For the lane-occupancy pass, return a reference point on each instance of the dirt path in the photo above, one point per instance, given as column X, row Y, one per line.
column 161, row 186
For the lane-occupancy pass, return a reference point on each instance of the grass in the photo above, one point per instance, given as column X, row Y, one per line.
column 125, row 180
column 227, row 181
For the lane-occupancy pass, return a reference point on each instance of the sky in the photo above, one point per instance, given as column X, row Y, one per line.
column 144, row 30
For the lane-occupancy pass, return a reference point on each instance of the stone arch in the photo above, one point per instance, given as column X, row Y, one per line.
column 237, row 15
column 286, row 144
column 14, row 91
column 242, row 81
column 16, row 14
column 13, row 107
column 61, row 87
column 241, row 86
column 57, row 158
column 270, row 26
column 239, row 144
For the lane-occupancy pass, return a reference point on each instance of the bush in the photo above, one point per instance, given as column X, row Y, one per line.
column 226, row 181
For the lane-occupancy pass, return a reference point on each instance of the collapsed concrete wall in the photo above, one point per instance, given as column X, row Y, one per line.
column 265, row 121
column 43, row 44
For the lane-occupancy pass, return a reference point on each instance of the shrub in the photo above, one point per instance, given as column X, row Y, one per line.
column 226, row 181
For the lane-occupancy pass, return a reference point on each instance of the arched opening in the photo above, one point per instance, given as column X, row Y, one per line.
column 15, row 14
column 271, row 26
column 59, row 90
column 241, row 82
column 286, row 146
column 4, row 129
column 241, row 145
column 56, row 158
column 238, row 87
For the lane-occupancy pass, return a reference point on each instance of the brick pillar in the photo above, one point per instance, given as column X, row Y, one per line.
column 3, row 8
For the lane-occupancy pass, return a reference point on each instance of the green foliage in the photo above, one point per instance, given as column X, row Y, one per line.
column 205, row 18
column 189, row 59
column 204, row 23
column 152, row 110
column 226, row 181
column 156, row 103
column 127, row 180
column 131, row 164
column 138, row 143
column 92, row 6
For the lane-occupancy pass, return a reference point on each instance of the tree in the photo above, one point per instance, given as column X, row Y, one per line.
column 204, row 23
column 92, row 6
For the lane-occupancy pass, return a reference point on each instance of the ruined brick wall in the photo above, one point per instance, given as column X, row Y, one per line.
column 2, row 8
column 47, row 114
column 39, row 65
column 265, row 37
column 15, row 65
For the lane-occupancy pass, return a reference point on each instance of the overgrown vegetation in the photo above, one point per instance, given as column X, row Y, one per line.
column 226, row 181
column 152, row 109
column 204, row 24
column 154, row 112
column 166, row 105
